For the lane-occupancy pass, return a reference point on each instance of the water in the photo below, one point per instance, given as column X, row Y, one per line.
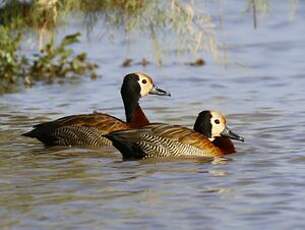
column 262, row 187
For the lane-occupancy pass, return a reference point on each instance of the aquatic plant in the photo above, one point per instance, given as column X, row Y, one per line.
column 52, row 62
column 11, row 63
column 59, row 62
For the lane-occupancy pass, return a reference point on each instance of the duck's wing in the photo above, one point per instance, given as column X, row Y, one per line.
column 80, row 130
column 162, row 141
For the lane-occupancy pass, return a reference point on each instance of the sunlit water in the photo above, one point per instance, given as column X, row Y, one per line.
column 262, row 187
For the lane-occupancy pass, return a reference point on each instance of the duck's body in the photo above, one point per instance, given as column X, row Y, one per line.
column 173, row 141
column 88, row 129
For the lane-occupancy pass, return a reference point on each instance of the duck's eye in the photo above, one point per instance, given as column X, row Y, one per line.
column 217, row 121
column 144, row 81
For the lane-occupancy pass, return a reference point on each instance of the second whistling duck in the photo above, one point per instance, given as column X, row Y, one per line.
column 174, row 141
column 88, row 129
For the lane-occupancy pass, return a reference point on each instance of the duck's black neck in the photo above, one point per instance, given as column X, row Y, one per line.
column 130, row 93
column 130, row 105
column 203, row 124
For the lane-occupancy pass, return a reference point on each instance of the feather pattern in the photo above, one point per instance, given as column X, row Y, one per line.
column 162, row 141
column 79, row 130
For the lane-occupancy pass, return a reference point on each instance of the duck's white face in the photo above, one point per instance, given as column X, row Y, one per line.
column 146, row 84
column 218, row 123
column 220, row 128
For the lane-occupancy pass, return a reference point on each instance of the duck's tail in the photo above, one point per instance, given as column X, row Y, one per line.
column 31, row 134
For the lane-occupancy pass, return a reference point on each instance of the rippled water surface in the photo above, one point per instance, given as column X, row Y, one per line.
column 262, row 187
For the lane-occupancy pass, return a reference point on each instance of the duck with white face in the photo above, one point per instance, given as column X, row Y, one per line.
column 135, row 86
column 147, row 86
column 88, row 129
column 213, row 125
column 174, row 141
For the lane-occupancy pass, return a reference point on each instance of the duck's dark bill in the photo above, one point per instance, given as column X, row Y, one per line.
column 157, row 91
column 228, row 133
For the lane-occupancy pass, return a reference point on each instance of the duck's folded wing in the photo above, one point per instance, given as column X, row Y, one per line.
column 162, row 141
column 97, row 120
column 84, row 129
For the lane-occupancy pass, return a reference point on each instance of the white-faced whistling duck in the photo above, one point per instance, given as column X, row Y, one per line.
column 88, row 129
column 176, row 142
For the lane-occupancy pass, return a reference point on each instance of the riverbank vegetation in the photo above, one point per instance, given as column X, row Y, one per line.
column 190, row 27
column 51, row 63
column 193, row 31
